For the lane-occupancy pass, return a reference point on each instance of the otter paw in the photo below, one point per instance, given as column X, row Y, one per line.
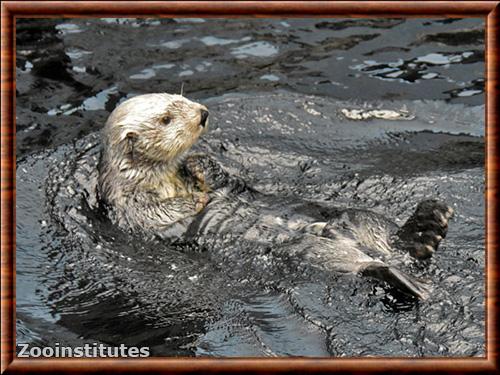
column 195, row 167
column 206, row 171
column 425, row 229
column 202, row 200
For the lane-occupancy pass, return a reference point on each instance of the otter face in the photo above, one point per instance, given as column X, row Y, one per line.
column 159, row 127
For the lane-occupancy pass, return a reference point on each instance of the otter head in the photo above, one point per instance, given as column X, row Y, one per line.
column 155, row 127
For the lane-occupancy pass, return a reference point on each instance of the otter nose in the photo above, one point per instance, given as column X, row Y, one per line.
column 204, row 117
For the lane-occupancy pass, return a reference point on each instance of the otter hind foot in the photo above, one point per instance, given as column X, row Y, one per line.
column 424, row 230
column 397, row 279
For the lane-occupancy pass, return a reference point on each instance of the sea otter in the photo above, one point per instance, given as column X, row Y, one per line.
column 148, row 184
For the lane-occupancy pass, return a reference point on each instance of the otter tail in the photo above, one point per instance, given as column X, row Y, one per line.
column 396, row 278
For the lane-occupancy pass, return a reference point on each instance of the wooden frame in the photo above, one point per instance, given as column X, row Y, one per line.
column 10, row 10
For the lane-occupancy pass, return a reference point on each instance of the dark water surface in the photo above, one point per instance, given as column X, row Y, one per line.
column 275, row 90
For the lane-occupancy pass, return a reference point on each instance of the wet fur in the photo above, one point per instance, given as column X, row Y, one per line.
column 148, row 185
column 140, row 176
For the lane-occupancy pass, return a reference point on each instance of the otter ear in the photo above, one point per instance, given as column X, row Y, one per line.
column 129, row 136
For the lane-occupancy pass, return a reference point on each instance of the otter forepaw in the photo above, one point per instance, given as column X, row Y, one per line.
column 195, row 166
column 206, row 171
column 424, row 230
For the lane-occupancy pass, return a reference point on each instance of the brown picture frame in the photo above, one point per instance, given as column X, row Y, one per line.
column 10, row 10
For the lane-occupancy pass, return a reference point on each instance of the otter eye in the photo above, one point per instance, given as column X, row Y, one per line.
column 165, row 120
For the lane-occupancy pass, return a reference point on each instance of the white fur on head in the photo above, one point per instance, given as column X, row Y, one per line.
column 162, row 126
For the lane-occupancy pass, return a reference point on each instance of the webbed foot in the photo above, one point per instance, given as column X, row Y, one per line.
column 424, row 230
column 396, row 278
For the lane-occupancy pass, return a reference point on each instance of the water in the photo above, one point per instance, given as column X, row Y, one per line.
column 275, row 90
